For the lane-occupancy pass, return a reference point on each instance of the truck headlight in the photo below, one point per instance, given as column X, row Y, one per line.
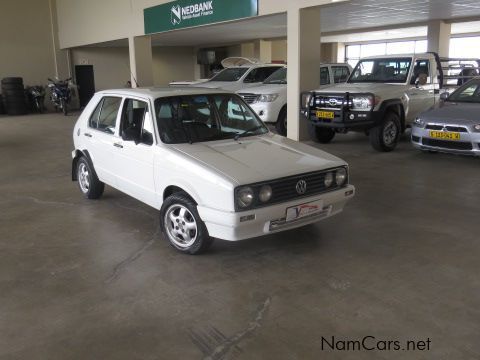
column 267, row 97
column 419, row 122
column 265, row 193
column 362, row 103
column 341, row 176
column 245, row 197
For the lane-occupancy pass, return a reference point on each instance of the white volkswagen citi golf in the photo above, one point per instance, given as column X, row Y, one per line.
column 206, row 162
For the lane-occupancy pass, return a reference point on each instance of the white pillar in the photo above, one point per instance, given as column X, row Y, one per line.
column 439, row 37
column 303, row 36
column 141, row 63
column 262, row 50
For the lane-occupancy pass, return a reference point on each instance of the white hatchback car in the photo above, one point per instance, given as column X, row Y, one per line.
column 206, row 162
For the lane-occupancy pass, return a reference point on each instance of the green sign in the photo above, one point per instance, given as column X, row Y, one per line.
column 187, row 13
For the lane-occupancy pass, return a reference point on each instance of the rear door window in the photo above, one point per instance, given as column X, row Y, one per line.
column 340, row 74
column 324, row 76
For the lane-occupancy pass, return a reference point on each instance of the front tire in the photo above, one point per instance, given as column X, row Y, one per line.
column 320, row 134
column 63, row 105
column 281, row 124
column 183, row 226
column 384, row 137
column 88, row 182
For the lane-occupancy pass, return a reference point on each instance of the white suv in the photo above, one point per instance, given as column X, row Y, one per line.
column 206, row 162
column 240, row 73
column 269, row 100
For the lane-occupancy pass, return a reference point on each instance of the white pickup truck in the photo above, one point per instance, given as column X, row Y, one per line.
column 382, row 97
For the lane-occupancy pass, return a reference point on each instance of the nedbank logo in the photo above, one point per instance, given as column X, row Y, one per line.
column 194, row 11
column 176, row 14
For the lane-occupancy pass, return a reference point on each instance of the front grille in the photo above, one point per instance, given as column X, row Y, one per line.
column 249, row 98
column 454, row 145
column 330, row 102
column 447, row 128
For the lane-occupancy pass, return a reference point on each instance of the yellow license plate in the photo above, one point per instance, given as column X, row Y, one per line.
column 325, row 114
column 445, row 135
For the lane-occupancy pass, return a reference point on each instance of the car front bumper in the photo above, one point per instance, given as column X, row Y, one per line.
column 468, row 144
column 271, row 219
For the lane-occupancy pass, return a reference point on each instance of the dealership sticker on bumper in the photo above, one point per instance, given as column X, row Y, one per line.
column 304, row 210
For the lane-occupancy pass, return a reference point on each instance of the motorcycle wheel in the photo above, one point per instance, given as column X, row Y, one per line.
column 38, row 106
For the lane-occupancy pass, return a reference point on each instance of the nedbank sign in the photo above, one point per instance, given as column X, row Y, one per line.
column 187, row 13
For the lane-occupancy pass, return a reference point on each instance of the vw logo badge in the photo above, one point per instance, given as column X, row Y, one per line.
column 301, row 187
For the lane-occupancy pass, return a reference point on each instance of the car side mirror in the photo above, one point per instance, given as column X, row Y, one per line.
column 130, row 135
column 444, row 96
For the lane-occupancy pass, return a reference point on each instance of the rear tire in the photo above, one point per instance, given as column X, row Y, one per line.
column 182, row 226
column 63, row 105
column 89, row 184
column 320, row 134
column 384, row 137
column 281, row 124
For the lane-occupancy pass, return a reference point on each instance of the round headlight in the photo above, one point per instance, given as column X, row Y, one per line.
column 328, row 179
column 265, row 193
column 341, row 176
column 245, row 197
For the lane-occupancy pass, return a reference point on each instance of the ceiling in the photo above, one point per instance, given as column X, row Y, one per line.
column 350, row 17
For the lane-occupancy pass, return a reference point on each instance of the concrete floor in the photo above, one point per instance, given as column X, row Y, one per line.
column 86, row 279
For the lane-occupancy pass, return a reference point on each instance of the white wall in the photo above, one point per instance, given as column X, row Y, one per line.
column 279, row 50
column 173, row 63
column 111, row 65
column 26, row 42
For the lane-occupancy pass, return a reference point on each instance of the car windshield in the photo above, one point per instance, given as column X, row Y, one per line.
column 231, row 74
column 199, row 118
column 278, row 77
column 468, row 93
column 381, row 70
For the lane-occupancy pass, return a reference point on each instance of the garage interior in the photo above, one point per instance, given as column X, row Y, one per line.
column 82, row 279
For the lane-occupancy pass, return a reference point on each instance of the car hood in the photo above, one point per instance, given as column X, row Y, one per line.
column 266, row 89
column 259, row 158
column 226, row 85
column 454, row 113
column 357, row 88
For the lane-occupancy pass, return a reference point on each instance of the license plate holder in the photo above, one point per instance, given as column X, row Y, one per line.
column 303, row 210
column 329, row 115
column 445, row 135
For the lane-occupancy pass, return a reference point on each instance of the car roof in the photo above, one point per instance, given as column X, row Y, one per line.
column 396, row 56
column 156, row 92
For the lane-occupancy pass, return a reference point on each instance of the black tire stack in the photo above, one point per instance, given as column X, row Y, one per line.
column 13, row 94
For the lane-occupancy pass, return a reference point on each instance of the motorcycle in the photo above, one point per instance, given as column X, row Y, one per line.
column 36, row 96
column 61, row 95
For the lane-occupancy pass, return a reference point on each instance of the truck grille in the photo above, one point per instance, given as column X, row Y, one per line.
column 447, row 128
column 330, row 101
column 249, row 98
column 454, row 145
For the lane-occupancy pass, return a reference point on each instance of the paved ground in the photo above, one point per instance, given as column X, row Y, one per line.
column 94, row 280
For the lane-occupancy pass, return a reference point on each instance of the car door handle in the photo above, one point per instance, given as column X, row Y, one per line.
column 88, row 135
column 118, row 145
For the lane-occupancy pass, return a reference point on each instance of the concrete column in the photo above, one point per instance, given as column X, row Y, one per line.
column 439, row 37
column 262, row 50
column 141, row 63
column 61, row 57
column 303, row 36
column 247, row 50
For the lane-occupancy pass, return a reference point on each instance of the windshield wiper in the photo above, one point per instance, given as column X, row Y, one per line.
column 239, row 135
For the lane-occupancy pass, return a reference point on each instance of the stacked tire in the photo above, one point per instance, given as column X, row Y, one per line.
column 13, row 94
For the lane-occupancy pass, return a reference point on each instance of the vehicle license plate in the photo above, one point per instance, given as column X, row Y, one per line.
column 304, row 210
column 445, row 135
column 325, row 114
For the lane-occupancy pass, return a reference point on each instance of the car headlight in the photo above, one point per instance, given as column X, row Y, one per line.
column 265, row 193
column 477, row 127
column 341, row 176
column 267, row 97
column 362, row 103
column 328, row 181
column 419, row 122
column 245, row 197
